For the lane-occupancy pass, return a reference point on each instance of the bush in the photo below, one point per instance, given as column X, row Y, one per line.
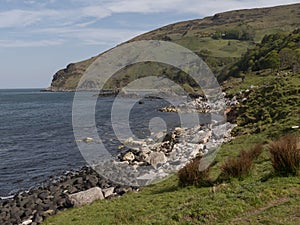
column 240, row 166
column 191, row 175
column 255, row 151
column 285, row 155
column 236, row 167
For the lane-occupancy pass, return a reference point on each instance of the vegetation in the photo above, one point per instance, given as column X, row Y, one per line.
column 220, row 39
column 272, row 106
column 285, row 155
column 239, row 167
column 191, row 175
column 276, row 51
column 242, row 33
column 262, row 196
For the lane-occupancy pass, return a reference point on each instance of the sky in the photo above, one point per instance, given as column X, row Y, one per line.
column 39, row 37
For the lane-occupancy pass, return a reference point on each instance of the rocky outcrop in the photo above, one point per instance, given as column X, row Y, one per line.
column 66, row 80
column 86, row 197
column 177, row 147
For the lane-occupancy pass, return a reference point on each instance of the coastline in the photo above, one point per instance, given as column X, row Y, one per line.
column 35, row 204
column 53, row 195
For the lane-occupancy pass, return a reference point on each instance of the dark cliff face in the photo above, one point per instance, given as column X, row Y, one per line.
column 220, row 40
column 68, row 78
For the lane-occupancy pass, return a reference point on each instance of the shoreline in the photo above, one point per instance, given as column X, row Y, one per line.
column 47, row 199
column 53, row 195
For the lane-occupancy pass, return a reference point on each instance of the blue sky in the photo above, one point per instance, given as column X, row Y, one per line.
column 39, row 37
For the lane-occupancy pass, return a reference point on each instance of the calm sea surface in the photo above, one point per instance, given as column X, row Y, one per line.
column 36, row 135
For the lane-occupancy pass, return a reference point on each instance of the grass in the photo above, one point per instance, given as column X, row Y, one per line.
column 239, row 167
column 259, row 198
column 191, row 175
column 218, row 48
column 285, row 155
column 272, row 106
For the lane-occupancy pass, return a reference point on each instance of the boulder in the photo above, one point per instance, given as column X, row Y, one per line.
column 108, row 192
column 86, row 197
column 156, row 158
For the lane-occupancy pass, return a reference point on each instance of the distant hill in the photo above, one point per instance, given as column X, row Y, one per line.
column 221, row 40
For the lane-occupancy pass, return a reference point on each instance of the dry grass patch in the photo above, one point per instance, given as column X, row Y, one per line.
column 285, row 155
column 190, row 174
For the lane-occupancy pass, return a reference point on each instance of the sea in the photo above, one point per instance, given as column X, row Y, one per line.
column 37, row 140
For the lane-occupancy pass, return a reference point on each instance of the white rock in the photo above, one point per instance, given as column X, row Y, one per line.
column 108, row 192
column 26, row 222
column 194, row 153
column 155, row 158
column 295, row 127
column 178, row 129
column 88, row 139
column 134, row 144
column 201, row 146
column 86, row 197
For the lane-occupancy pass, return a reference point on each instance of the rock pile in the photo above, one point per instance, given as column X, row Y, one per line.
column 177, row 147
column 143, row 162
column 199, row 105
column 33, row 206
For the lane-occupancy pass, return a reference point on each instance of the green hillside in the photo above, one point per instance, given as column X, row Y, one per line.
column 220, row 40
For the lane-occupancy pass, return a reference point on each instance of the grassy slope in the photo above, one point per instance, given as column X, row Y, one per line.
column 258, row 199
column 196, row 35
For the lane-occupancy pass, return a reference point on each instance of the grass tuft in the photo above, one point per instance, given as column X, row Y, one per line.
column 190, row 174
column 239, row 167
column 285, row 155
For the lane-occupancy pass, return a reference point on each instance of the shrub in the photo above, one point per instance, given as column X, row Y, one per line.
column 240, row 166
column 255, row 151
column 285, row 155
column 236, row 167
column 191, row 175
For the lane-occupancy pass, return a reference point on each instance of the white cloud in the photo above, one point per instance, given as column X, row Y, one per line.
column 22, row 18
column 20, row 43
column 17, row 18
column 145, row 6
column 198, row 7
column 96, row 12
column 77, row 19
column 92, row 35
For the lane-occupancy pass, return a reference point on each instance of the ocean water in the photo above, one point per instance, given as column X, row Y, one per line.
column 37, row 140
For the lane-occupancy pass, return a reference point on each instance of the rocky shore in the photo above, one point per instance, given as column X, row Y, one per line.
column 58, row 194
column 142, row 162
column 152, row 159
column 139, row 163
